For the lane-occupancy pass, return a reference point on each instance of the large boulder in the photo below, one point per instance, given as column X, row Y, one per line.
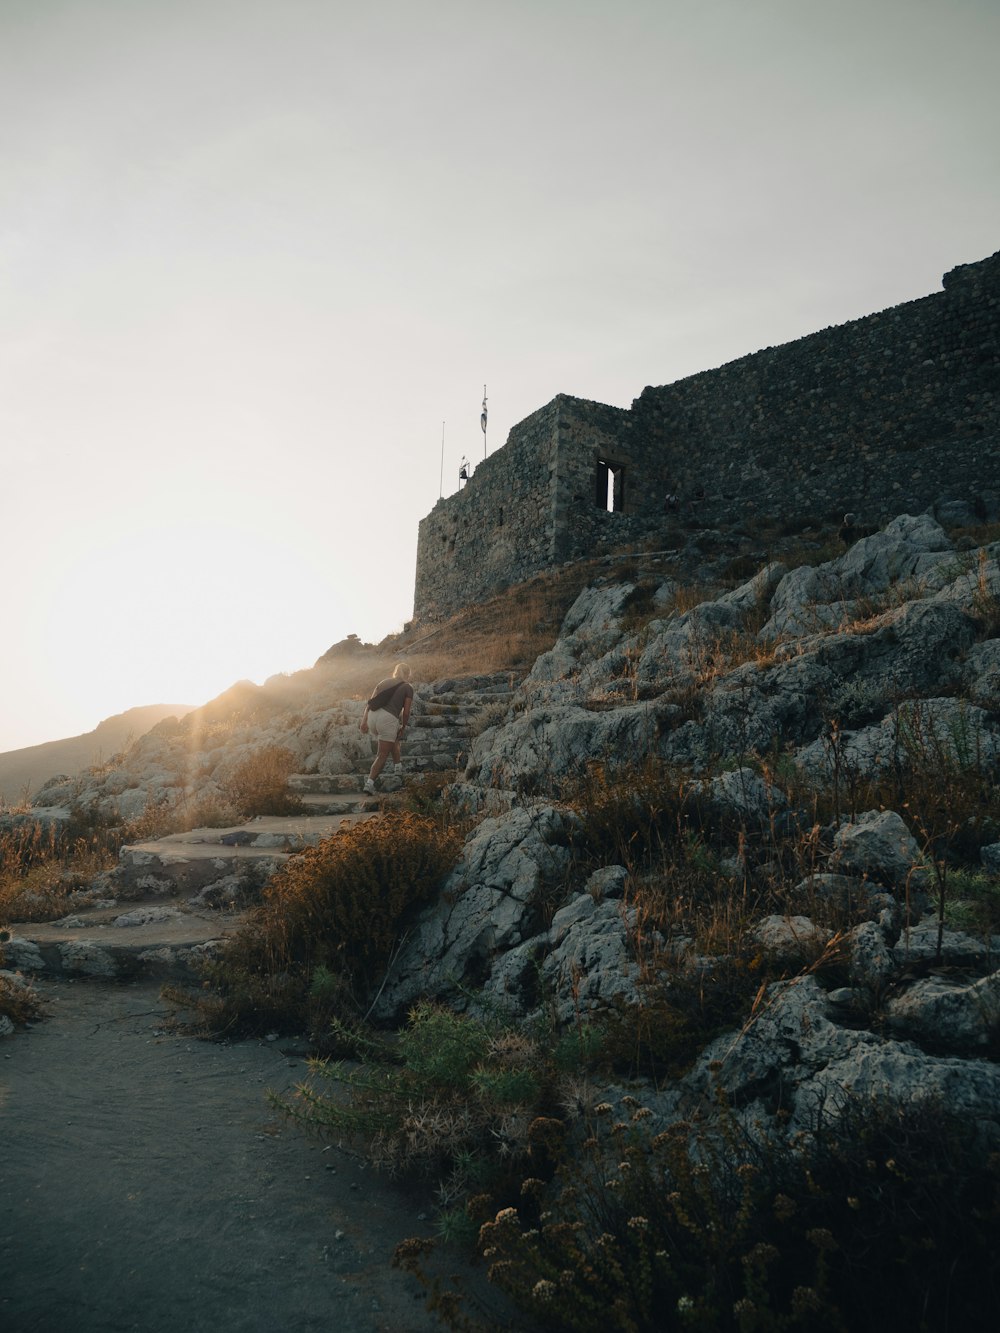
column 591, row 627
column 794, row 1056
column 878, row 844
column 592, row 963
column 948, row 1014
column 912, row 550
column 552, row 742
column 490, row 904
column 934, row 732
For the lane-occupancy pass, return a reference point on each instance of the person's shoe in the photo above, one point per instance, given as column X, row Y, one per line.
column 369, row 787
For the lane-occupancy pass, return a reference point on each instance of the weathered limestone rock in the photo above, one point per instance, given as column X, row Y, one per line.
column 608, row 882
column 957, row 948
column 793, row 1054
column 742, row 793
column 48, row 816
column 23, row 955
column 753, row 708
column 488, row 906
column 912, row 649
column 591, row 627
column 920, row 732
column 852, row 896
column 981, row 673
column 911, row 549
column 145, row 916
column 89, row 959
column 872, row 961
column 878, row 845
column 591, row 963
column 899, row 1074
column 553, row 742
column 792, row 937
column 947, row 1016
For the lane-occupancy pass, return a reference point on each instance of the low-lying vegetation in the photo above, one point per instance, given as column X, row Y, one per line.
column 692, row 1228
column 42, row 867
column 19, row 1002
column 456, row 1098
column 326, row 927
column 258, row 785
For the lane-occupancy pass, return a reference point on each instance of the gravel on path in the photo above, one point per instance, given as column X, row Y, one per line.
column 147, row 1186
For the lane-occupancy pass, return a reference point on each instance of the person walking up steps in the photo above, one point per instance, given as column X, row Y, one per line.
column 385, row 717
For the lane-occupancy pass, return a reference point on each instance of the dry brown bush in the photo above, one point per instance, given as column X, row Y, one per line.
column 258, row 785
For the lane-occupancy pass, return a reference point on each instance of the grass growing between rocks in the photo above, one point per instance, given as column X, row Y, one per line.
column 701, row 879
column 41, row 868
column 702, row 971
column 326, row 928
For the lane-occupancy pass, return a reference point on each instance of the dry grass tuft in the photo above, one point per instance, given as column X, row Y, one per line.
column 327, row 926
column 41, row 867
column 258, row 785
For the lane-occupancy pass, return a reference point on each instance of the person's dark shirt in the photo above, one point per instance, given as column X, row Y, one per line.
column 403, row 690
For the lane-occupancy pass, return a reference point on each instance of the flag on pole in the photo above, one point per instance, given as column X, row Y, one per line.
column 482, row 418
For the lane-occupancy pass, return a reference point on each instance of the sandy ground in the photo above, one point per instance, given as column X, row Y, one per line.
column 146, row 1186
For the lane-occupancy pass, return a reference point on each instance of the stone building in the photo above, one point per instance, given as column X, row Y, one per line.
column 883, row 415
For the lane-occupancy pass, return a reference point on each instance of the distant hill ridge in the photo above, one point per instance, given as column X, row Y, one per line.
column 35, row 764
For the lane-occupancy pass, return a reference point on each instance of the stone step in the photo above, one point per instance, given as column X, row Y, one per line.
column 347, row 785
column 176, row 897
column 434, row 727
column 437, row 715
column 190, row 862
column 412, row 750
column 165, row 942
column 333, row 804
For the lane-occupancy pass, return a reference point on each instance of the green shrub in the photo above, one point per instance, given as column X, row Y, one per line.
column 454, row 1097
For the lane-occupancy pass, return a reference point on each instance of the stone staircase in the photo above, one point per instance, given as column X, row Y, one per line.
column 170, row 900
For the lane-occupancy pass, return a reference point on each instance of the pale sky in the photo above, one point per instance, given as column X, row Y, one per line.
column 253, row 253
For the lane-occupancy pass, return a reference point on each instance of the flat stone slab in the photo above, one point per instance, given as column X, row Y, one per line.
column 160, row 949
column 306, row 830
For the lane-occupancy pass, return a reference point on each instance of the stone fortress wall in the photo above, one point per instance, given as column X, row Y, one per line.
column 887, row 414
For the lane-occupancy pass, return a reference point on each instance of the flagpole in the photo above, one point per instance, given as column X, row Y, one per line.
column 482, row 420
column 441, row 491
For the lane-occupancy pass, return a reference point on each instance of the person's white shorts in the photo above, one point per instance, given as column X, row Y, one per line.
column 383, row 725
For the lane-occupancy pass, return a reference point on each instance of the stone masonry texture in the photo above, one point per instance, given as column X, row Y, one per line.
column 888, row 414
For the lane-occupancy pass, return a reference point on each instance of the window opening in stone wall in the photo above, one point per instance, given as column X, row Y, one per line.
column 609, row 487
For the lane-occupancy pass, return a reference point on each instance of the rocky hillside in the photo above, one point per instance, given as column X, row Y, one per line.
column 730, row 847
column 26, row 769
column 818, row 745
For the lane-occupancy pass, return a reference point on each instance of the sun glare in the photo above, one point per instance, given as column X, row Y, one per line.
column 186, row 613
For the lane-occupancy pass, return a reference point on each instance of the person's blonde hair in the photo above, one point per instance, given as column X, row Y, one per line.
column 402, row 669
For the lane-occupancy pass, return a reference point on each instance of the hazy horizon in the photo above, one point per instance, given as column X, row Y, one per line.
column 256, row 252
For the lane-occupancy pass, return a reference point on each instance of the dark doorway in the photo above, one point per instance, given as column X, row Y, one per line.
column 609, row 487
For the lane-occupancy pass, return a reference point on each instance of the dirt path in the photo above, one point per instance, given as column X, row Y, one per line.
column 146, row 1186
